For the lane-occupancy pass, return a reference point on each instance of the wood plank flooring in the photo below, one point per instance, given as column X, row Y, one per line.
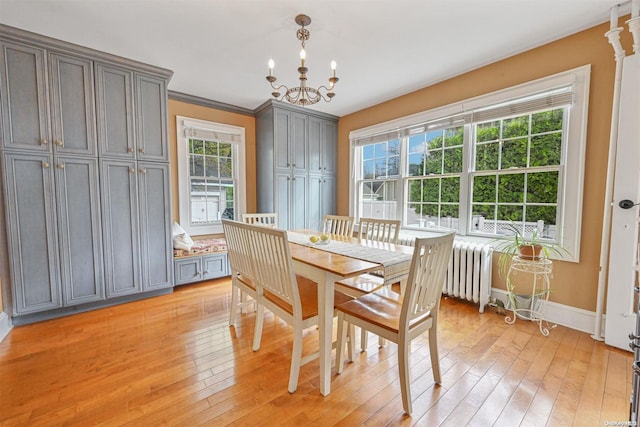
column 173, row 360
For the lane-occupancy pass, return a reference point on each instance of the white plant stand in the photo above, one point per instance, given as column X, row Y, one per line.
column 541, row 271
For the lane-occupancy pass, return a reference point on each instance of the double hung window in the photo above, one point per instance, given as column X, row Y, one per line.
column 481, row 166
column 211, row 187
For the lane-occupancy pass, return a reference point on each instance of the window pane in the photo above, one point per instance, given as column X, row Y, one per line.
column 368, row 169
column 484, row 188
column 211, row 148
column 393, row 166
column 453, row 136
column 367, row 152
column 417, row 143
column 489, row 131
column 197, row 166
column 545, row 149
column 380, row 150
column 434, row 139
column 415, row 164
column 450, row 190
column 196, row 146
column 381, row 168
column 516, row 126
column 415, row 190
column 542, row 187
column 433, row 163
column 511, row 188
column 211, row 166
column 431, row 190
column 224, row 150
column 509, row 213
column 545, row 214
column 547, row 121
column 487, row 156
column 453, row 160
column 226, row 168
column 514, row 154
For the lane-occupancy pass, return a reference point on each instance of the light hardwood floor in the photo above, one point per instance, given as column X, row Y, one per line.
column 173, row 360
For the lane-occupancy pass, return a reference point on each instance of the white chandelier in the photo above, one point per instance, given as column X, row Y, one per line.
column 303, row 94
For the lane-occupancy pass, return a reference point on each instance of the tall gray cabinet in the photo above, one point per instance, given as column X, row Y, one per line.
column 296, row 167
column 85, row 176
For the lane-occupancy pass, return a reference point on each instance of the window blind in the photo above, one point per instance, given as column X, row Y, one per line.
column 211, row 135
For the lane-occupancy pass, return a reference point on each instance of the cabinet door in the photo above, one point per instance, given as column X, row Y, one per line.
column 72, row 105
column 23, row 89
column 188, row 270
column 80, row 236
column 315, row 146
column 298, row 218
column 328, row 196
column 298, row 144
column 214, row 266
column 281, row 136
column 155, row 225
column 30, row 207
column 151, row 118
column 114, row 100
column 328, row 146
column 120, row 229
column 281, row 199
column 315, row 202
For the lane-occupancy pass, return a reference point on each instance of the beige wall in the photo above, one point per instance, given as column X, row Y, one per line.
column 573, row 284
column 178, row 108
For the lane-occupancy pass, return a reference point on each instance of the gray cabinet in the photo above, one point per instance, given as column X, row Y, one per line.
column 198, row 268
column 32, row 232
column 119, row 194
column 114, row 100
column 25, row 103
column 155, row 217
column 79, row 229
column 72, row 105
column 296, row 151
column 86, row 176
column 136, row 214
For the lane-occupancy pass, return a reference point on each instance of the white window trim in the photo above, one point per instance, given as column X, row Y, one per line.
column 570, row 205
column 183, row 123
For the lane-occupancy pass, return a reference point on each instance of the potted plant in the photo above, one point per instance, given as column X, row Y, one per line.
column 528, row 247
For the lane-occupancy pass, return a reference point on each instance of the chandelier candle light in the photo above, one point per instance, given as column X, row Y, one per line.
column 303, row 95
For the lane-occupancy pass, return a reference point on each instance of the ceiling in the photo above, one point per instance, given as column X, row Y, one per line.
column 219, row 49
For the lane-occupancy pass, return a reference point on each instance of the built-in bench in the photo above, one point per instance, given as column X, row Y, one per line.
column 207, row 259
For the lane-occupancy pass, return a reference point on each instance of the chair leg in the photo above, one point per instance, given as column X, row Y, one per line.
column 351, row 338
column 257, row 333
column 433, row 351
column 243, row 303
column 403, row 367
column 342, row 338
column 296, row 360
column 234, row 303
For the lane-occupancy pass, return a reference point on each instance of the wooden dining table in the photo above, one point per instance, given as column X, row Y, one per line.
column 325, row 268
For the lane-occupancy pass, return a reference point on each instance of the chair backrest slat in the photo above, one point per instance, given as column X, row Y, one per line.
column 264, row 219
column 273, row 265
column 426, row 276
column 379, row 230
column 238, row 249
column 337, row 224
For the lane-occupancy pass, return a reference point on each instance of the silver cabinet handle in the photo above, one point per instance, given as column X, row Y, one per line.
column 142, row 170
column 59, row 142
column 43, row 141
column 141, row 150
column 130, row 149
column 131, row 170
column 60, row 165
column 45, row 164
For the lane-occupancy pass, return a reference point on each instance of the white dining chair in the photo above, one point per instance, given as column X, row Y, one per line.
column 338, row 225
column 372, row 230
column 291, row 297
column 264, row 219
column 402, row 319
column 242, row 272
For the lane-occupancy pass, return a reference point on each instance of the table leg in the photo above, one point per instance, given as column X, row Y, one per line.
column 325, row 323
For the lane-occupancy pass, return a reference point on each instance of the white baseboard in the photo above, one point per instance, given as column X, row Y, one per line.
column 571, row 317
column 5, row 325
